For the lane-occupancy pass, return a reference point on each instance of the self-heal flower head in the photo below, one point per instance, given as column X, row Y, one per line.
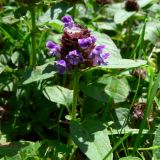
column 67, row 21
column 78, row 49
column 86, row 42
column 74, row 57
column 54, row 49
column 61, row 66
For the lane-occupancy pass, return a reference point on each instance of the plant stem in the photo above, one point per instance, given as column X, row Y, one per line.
column 74, row 10
column 151, row 94
column 33, row 40
column 76, row 76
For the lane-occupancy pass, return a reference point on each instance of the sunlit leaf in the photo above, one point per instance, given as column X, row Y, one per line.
column 39, row 73
column 59, row 95
column 121, row 16
column 92, row 138
column 116, row 88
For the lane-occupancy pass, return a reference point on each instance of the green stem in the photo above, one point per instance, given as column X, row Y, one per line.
column 151, row 94
column 76, row 77
column 33, row 40
column 74, row 10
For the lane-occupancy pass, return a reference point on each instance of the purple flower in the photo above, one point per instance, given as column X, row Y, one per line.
column 84, row 43
column 98, row 56
column 54, row 49
column 97, row 51
column 74, row 57
column 104, row 56
column 68, row 21
column 93, row 39
column 77, row 48
column 61, row 66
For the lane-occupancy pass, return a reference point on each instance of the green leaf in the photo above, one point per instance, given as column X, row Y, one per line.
column 89, row 101
column 19, row 150
column 121, row 16
column 59, row 95
column 58, row 150
column 21, row 11
column 31, row 151
column 2, row 67
column 130, row 158
column 122, row 63
column 156, row 142
column 95, row 91
column 10, row 32
column 103, row 39
column 39, row 73
column 144, row 3
column 92, row 138
column 116, row 88
column 121, row 115
column 151, row 31
column 106, row 26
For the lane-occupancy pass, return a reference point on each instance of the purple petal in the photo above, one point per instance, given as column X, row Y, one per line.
column 74, row 57
column 85, row 42
column 68, row 21
column 96, row 51
column 93, row 39
column 54, row 49
column 105, row 55
column 61, row 66
column 50, row 45
column 100, row 48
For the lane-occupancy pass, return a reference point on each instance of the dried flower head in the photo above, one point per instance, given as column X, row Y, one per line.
column 131, row 5
column 139, row 73
column 77, row 49
column 138, row 110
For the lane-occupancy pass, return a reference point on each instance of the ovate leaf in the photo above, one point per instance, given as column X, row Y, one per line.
column 121, row 16
column 39, row 73
column 95, row 91
column 123, row 63
column 59, row 95
column 116, row 88
column 92, row 138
